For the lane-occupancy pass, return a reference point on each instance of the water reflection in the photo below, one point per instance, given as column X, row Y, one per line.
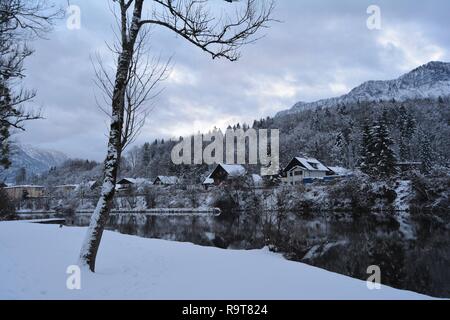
column 345, row 242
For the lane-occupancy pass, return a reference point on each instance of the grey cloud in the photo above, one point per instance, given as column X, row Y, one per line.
column 320, row 49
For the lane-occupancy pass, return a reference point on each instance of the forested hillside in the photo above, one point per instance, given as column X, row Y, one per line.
column 419, row 131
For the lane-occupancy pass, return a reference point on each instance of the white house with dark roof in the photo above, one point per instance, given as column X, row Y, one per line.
column 303, row 169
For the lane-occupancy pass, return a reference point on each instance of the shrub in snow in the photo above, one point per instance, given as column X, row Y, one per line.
column 7, row 209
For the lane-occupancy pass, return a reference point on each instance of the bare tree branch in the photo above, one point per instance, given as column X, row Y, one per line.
column 145, row 75
column 222, row 36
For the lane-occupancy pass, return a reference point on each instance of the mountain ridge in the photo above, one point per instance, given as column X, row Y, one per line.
column 34, row 160
column 431, row 80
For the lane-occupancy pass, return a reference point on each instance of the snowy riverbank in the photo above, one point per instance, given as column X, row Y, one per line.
column 34, row 258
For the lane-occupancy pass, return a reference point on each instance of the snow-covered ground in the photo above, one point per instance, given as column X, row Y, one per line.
column 34, row 258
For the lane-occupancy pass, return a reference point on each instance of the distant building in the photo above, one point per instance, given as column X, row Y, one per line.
column 224, row 172
column 304, row 170
column 25, row 192
column 91, row 185
column 128, row 183
column 257, row 181
column 208, row 182
column 166, row 180
column 408, row 165
column 66, row 189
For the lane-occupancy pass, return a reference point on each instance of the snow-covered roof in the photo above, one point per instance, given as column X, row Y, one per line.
column 233, row 170
column 408, row 163
column 167, row 179
column 67, row 186
column 208, row 180
column 341, row 171
column 91, row 183
column 133, row 181
column 24, row 186
column 257, row 179
column 312, row 164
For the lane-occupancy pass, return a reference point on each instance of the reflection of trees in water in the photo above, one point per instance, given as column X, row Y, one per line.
column 344, row 243
column 421, row 265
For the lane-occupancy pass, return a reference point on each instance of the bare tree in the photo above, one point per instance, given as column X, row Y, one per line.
column 144, row 76
column 20, row 21
column 221, row 35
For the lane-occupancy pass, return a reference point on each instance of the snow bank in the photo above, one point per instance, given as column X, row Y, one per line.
column 34, row 259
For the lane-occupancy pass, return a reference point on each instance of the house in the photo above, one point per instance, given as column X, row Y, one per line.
column 304, row 170
column 224, row 172
column 129, row 183
column 257, row 181
column 91, row 185
column 208, row 182
column 166, row 180
column 25, row 192
column 408, row 165
column 66, row 189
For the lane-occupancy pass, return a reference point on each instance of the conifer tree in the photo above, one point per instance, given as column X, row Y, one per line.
column 366, row 158
column 425, row 152
column 407, row 127
column 383, row 155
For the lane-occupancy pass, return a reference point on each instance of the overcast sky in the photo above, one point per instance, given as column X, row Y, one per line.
column 319, row 50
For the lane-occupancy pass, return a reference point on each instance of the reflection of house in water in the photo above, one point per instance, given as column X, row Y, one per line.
column 25, row 192
column 166, row 180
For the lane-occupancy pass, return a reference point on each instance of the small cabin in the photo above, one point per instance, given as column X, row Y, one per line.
column 208, row 182
column 224, row 172
column 130, row 183
column 166, row 180
column 304, row 170
column 408, row 165
column 91, row 185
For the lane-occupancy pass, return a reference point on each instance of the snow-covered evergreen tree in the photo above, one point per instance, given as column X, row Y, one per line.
column 383, row 155
column 367, row 156
column 425, row 152
column 377, row 157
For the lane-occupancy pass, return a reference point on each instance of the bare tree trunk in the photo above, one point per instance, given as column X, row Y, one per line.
column 100, row 216
column 193, row 21
column 101, row 213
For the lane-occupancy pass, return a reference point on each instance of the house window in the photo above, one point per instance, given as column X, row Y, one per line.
column 298, row 173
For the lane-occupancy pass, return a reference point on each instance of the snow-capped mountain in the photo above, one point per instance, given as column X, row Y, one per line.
column 431, row 80
column 34, row 160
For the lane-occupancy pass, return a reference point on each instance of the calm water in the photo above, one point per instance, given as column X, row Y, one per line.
column 344, row 243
